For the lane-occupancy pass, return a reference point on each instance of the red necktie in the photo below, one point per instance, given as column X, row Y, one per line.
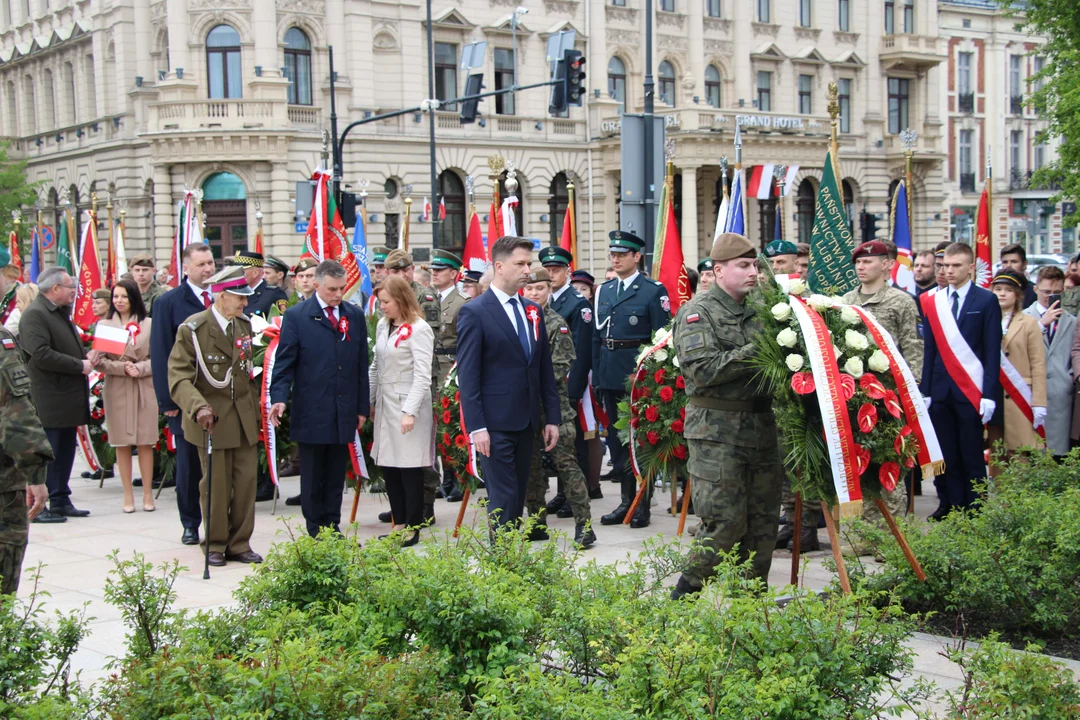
column 333, row 317
column 205, row 299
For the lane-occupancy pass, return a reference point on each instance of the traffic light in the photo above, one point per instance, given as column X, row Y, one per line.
column 868, row 225
column 574, row 78
column 473, row 86
column 558, row 103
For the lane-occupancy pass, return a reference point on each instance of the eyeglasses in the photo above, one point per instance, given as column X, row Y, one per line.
column 67, row 287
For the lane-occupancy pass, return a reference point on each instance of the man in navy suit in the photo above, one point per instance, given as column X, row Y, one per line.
column 191, row 296
column 503, row 357
column 959, row 424
column 322, row 358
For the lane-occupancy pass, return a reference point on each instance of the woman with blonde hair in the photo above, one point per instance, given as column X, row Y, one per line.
column 24, row 295
column 400, row 376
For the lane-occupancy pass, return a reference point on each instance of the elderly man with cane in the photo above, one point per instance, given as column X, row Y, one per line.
column 210, row 379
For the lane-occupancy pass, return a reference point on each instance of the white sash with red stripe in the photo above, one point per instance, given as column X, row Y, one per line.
column 1018, row 391
column 963, row 365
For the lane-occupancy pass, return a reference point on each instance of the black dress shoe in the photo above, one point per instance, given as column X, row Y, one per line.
column 565, row 511
column 783, row 538
column 642, row 516
column 583, row 538
column 69, row 511
column 386, row 517
column 429, row 514
column 217, row 559
column 47, row 516
column 555, row 504
column 413, row 540
column 190, row 536
column 940, row 514
column 293, row 501
column 264, row 492
column 616, row 516
column 683, row 588
column 455, row 495
column 539, row 532
column 678, row 508
column 596, row 494
column 247, row 557
column 609, row 475
column 439, row 493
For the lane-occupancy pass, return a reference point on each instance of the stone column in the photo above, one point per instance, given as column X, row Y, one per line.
column 689, row 230
column 264, row 29
column 278, row 216
column 177, row 17
column 164, row 220
column 742, row 16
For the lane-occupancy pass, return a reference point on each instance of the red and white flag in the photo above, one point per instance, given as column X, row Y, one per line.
column 762, row 184
column 425, row 213
column 109, row 339
column 442, row 208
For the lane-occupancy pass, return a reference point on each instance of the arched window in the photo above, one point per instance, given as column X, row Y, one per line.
column 712, row 86
column 298, row 66
column 666, row 73
column 29, row 106
column 452, row 192
column 805, row 205
column 560, row 198
column 49, row 100
column 519, row 212
column 223, row 62
column 616, row 79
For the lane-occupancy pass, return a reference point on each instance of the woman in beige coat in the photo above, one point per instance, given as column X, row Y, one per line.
column 1022, row 345
column 131, row 410
column 400, row 376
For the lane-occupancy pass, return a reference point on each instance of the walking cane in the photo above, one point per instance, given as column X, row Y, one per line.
column 209, row 496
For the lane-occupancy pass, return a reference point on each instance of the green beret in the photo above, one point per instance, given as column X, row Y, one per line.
column 705, row 265
column 780, row 247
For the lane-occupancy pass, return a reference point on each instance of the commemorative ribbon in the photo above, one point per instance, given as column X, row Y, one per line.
column 665, row 340
column 269, row 432
column 82, row 433
column 1018, row 391
column 964, row 367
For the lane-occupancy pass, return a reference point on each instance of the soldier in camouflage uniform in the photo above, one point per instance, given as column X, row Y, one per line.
column 571, row 478
column 896, row 311
column 734, row 465
column 24, row 454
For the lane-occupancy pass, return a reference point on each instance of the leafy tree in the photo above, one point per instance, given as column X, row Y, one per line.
column 15, row 192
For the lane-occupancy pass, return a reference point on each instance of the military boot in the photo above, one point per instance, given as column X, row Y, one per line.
column 556, row 503
column 642, row 515
column 808, row 540
column 617, row 515
column 783, row 538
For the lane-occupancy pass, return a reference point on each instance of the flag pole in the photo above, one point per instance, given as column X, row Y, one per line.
column 989, row 200
column 834, row 116
column 110, row 258
column 16, row 217
column 405, row 232
column 779, row 173
column 907, row 139
column 723, row 176
column 37, row 241
column 662, row 217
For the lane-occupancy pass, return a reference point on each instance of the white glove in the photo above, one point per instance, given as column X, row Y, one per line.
column 1040, row 417
column 986, row 409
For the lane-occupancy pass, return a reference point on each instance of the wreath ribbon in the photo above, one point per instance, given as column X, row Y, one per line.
column 269, row 432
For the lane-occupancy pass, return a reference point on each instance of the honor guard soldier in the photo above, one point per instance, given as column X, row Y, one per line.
column 263, row 296
column 734, row 463
column 211, row 380
column 705, row 275
column 629, row 308
column 576, row 310
column 570, row 474
column 782, row 255
column 399, row 262
column 444, row 271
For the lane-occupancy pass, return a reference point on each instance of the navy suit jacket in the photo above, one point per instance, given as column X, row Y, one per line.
column 494, row 377
column 170, row 311
column 980, row 324
column 328, row 375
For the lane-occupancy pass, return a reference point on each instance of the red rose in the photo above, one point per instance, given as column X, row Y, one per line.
column 641, row 374
column 652, row 414
column 680, row 382
column 446, row 417
column 460, row 441
column 682, row 413
column 680, row 452
column 644, row 392
column 457, row 396
column 889, row 474
column 803, row 383
column 634, row 422
column 445, row 402
column 666, row 393
column 653, row 437
column 867, row 417
column 658, row 376
column 677, row 426
column 847, row 384
column 104, row 437
column 446, row 438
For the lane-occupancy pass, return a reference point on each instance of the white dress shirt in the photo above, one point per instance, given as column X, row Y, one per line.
column 628, row 281
column 221, row 319
column 556, row 294
column 962, row 291
column 199, row 291
column 443, row 294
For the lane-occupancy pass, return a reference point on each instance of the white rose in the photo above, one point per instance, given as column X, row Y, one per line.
column 849, row 316
column 781, row 311
column 878, row 362
column 796, row 287
column 819, row 302
column 660, row 355
column 794, row 362
column 854, row 367
column 675, row 360
column 787, row 338
column 855, row 341
column 837, row 300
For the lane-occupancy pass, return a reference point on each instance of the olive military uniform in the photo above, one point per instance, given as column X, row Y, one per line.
column 24, row 453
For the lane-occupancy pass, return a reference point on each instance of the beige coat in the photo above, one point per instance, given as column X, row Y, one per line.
column 1023, row 346
column 401, row 383
column 131, row 409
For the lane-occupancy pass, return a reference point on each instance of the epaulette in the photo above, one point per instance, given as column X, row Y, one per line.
column 655, row 282
column 463, row 295
column 194, row 323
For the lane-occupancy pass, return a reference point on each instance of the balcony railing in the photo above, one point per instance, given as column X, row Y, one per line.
column 1016, row 105
column 234, row 114
column 966, row 102
column 967, row 182
column 1021, row 180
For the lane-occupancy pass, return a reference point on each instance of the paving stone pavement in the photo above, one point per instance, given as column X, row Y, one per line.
column 75, row 565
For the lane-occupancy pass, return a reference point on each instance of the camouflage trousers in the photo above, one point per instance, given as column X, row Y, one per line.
column 738, row 503
column 567, row 469
column 14, row 531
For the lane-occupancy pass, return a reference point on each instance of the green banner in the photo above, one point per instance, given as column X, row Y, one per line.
column 831, row 244
column 63, row 248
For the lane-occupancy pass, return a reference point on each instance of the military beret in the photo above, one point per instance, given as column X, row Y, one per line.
column 872, row 248
column 539, row 274
column 306, row 262
column 555, row 256
column 583, row 277
column 625, row 241
column 471, row 276
column 247, row 258
column 730, row 246
column 102, row 294
column 5, row 257
column 142, row 260
column 705, row 265
column 231, row 279
column 780, row 247
column 443, row 259
column 275, row 264
column 398, row 259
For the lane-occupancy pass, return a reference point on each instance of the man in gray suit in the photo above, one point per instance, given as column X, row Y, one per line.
column 1058, row 329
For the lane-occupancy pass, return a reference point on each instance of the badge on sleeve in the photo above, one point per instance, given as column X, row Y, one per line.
column 586, row 314
column 8, row 343
column 665, row 303
column 564, row 330
column 693, row 318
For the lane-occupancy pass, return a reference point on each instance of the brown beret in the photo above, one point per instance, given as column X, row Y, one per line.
column 398, row 259
column 539, row 274
column 143, row 260
column 873, row 248
column 730, row 246
column 102, row 294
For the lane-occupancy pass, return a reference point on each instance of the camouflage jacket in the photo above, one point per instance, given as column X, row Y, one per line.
column 1070, row 300
column 563, row 355
column 156, row 290
column 897, row 313
column 429, row 305
column 24, row 449
column 714, row 341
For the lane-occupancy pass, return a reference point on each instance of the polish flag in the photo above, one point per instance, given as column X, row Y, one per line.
column 425, row 213
column 442, row 208
column 109, row 339
column 762, row 184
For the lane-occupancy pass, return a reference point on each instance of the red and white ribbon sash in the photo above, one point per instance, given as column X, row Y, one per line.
column 273, row 333
column 830, row 395
column 931, row 460
column 666, row 340
column 964, row 366
column 473, row 465
column 356, row 456
column 591, row 414
column 86, row 445
column 1018, row 391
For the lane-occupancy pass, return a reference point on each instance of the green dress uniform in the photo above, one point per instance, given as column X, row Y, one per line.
column 734, row 464
column 24, row 454
column 212, row 366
